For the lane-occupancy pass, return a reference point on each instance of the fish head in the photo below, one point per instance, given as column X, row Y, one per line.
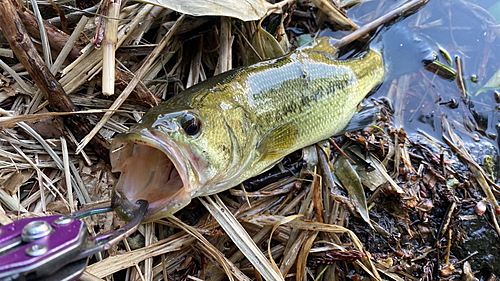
column 173, row 154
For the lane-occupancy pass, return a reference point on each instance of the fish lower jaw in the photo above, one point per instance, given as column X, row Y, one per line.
column 213, row 188
column 147, row 173
column 125, row 208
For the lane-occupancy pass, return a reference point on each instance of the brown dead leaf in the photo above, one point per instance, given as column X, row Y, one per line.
column 9, row 88
column 7, row 91
column 48, row 128
column 430, row 179
column 98, row 180
column 14, row 181
column 58, row 207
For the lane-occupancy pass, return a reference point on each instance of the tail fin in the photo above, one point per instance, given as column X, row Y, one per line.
column 403, row 52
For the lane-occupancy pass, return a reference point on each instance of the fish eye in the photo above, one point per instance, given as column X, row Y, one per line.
column 191, row 124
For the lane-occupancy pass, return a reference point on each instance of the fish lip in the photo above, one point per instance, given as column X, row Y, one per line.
column 156, row 209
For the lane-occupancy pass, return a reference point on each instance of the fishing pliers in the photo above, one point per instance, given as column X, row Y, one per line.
column 56, row 247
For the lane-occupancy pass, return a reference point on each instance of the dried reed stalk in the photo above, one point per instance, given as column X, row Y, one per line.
column 109, row 46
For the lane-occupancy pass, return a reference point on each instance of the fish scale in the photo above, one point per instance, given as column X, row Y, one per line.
column 248, row 118
column 319, row 104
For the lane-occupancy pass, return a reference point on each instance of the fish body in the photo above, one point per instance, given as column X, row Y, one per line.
column 234, row 126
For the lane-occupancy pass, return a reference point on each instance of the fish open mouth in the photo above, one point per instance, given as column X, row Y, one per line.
column 152, row 170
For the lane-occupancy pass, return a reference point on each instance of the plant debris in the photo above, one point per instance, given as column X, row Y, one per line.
column 391, row 202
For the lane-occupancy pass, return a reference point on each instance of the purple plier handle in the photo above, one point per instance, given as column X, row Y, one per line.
column 105, row 241
column 56, row 247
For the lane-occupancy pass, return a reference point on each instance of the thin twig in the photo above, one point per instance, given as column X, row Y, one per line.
column 334, row 14
column 404, row 10
column 341, row 151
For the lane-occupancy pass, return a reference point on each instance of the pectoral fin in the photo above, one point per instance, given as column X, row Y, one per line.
column 277, row 142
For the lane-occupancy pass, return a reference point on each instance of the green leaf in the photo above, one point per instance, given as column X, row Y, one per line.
column 492, row 84
column 350, row 180
column 445, row 54
column 495, row 11
column 371, row 178
column 441, row 70
column 304, row 39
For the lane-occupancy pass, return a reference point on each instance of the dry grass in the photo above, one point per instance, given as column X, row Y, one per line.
column 264, row 234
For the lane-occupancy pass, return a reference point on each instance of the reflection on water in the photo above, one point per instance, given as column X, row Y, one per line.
column 422, row 99
column 468, row 33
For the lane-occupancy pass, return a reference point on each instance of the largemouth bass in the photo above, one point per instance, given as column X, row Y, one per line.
column 236, row 125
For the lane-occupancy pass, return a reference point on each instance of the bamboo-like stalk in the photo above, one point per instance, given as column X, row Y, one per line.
column 78, row 72
column 109, row 47
column 224, row 63
column 119, row 101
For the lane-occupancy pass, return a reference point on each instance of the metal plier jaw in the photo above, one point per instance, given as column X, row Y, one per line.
column 56, row 247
